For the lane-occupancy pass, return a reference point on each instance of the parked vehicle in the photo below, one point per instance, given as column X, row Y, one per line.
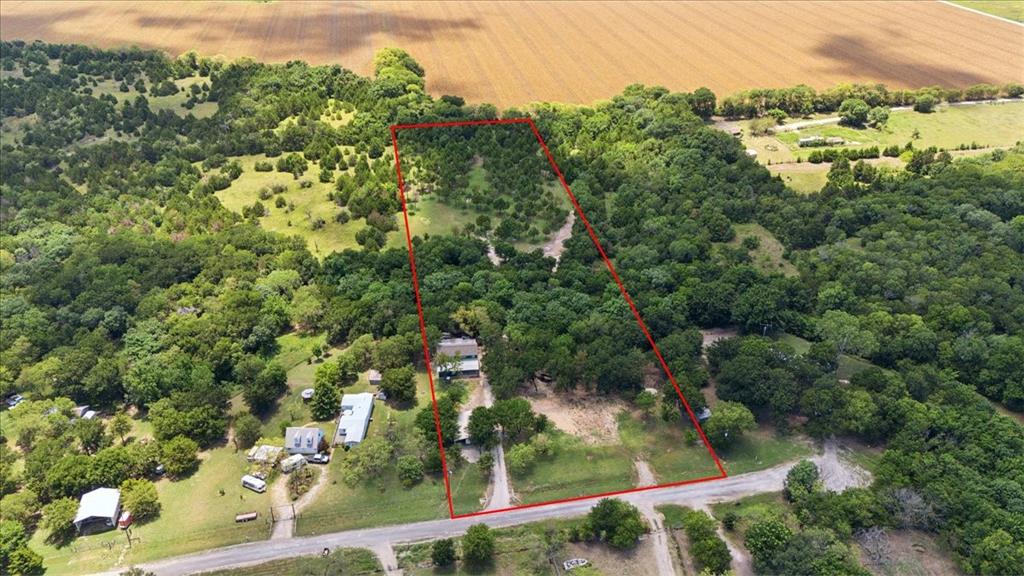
column 14, row 399
column 125, row 520
column 320, row 458
column 253, row 483
column 293, row 463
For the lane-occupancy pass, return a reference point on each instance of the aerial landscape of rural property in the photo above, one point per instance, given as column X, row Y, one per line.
column 512, row 288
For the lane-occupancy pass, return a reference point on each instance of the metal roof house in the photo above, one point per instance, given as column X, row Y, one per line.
column 466, row 351
column 356, row 410
column 305, row 441
column 98, row 511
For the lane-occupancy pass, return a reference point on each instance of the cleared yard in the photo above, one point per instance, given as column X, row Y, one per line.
column 381, row 500
column 575, row 469
column 195, row 502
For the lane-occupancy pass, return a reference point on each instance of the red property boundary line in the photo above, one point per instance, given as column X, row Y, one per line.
column 615, row 276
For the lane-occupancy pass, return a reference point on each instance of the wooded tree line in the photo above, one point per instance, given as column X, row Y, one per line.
column 126, row 282
column 803, row 100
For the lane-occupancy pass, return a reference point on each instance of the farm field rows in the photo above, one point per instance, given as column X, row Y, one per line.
column 516, row 52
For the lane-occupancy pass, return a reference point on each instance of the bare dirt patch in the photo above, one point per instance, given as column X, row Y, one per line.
column 912, row 553
column 636, row 562
column 581, row 413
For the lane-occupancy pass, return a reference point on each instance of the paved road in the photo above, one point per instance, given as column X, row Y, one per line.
column 694, row 495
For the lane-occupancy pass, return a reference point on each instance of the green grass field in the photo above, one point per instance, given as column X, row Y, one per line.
column 948, row 127
column 1009, row 9
column 194, row 516
column 308, row 205
column 348, row 561
column 768, row 256
column 575, row 469
column 803, row 182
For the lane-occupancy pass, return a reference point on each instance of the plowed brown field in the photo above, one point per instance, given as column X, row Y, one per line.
column 517, row 52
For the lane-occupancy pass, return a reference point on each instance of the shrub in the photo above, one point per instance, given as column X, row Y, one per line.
column 410, row 470
column 478, row 545
column 263, row 166
column 925, row 103
column 442, row 553
column 140, row 497
column 853, row 112
column 180, row 456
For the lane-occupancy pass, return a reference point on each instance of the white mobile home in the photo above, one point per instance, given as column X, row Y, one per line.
column 356, row 410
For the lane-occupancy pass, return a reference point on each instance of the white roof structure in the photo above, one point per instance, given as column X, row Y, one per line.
column 355, row 418
column 465, row 365
column 302, row 440
column 373, row 376
column 100, row 503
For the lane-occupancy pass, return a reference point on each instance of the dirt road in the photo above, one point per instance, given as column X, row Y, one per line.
column 693, row 495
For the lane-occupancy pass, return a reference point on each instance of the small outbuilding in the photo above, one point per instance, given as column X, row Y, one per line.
column 98, row 510
column 374, row 377
column 264, row 454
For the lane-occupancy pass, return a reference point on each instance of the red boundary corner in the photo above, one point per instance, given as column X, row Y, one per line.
column 611, row 269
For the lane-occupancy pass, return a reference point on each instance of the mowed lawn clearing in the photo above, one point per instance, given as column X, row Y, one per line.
column 575, row 468
column 194, row 516
column 381, row 500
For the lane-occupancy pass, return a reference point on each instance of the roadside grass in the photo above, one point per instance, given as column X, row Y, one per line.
column 309, row 205
column 575, row 468
column 348, row 561
column 664, row 447
column 1009, row 9
column 768, row 257
column 762, row 449
column 673, row 514
column 469, row 487
column 194, row 516
column 519, row 550
column 673, row 459
column 753, row 508
column 381, row 500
